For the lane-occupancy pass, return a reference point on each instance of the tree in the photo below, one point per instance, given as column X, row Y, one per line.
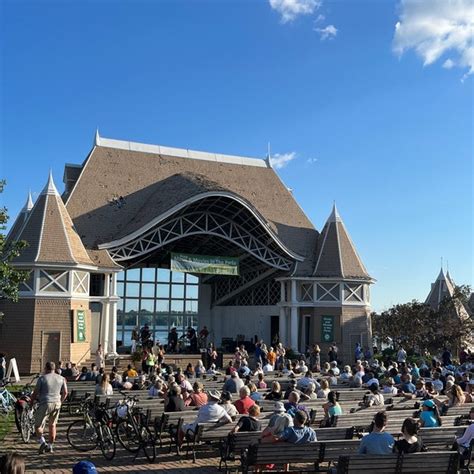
column 416, row 325
column 10, row 277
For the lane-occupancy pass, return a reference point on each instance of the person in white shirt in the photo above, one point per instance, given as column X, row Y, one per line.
column 375, row 398
column 267, row 368
column 401, row 355
column 211, row 412
column 389, row 387
column 335, row 368
column 347, row 373
column 304, row 381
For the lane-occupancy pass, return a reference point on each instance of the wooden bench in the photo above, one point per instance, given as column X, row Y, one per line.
column 316, row 454
column 434, row 462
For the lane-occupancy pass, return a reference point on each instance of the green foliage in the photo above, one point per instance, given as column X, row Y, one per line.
column 10, row 278
column 421, row 329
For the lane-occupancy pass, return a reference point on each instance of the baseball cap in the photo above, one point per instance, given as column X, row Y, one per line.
column 84, row 467
column 429, row 403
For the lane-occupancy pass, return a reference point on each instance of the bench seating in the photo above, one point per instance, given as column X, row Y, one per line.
column 430, row 463
column 315, row 454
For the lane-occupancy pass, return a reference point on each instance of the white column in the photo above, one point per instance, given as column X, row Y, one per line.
column 113, row 314
column 294, row 318
column 282, row 322
column 106, row 315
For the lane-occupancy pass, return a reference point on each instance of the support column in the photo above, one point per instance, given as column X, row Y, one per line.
column 294, row 317
column 106, row 315
column 282, row 322
column 113, row 314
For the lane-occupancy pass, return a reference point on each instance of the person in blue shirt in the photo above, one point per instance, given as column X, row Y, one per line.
column 407, row 386
column 298, row 433
column 377, row 442
column 429, row 416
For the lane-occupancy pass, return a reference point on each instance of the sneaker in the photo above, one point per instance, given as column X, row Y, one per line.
column 50, row 448
column 42, row 448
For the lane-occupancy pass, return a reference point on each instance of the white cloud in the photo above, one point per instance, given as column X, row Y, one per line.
column 437, row 28
column 311, row 161
column 319, row 18
column 328, row 32
column 448, row 64
column 291, row 9
column 279, row 161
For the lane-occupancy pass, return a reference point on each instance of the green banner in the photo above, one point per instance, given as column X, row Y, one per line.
column 182, row 262
column 81, row 325
column 327, row 328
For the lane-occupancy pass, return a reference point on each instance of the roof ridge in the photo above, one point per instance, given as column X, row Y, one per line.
column 179, row 152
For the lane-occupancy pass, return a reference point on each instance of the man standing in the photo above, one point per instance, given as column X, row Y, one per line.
column 50, row 392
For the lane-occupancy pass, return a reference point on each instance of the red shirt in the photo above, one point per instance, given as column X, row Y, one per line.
column 243, row 405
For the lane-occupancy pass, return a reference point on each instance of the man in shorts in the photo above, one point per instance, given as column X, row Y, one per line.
column 50, row 392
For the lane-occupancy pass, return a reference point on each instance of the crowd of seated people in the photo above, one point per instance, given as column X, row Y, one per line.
column 436, row 388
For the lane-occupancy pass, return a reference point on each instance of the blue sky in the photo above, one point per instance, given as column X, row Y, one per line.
column 376, row 117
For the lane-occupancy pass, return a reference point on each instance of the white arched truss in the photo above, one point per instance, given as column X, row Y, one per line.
column 200, row 223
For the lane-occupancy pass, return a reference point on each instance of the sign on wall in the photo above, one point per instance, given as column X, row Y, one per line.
column 80, row 325
column 327, row 328
column 182, row 262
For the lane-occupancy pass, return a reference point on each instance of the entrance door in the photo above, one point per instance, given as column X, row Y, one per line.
column 96, row 312
column 51, row 347
column 274, row 328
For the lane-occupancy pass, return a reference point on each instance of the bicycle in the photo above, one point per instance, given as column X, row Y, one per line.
column 94, row 430
column 27, row 422
column 132, row 429
column 7, row 399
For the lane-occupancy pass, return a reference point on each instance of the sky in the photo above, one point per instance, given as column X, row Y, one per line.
column 366, row 103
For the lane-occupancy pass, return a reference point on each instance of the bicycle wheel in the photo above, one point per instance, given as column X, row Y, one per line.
column 81, row 436
column 148, row 443
column 25, row 425
column 107, row 442
column 127, row 436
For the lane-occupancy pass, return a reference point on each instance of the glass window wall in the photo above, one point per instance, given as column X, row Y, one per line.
column 157, row 297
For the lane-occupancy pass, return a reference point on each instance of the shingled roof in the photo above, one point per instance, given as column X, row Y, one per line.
column 443, row 287
column 124, row 185
column 50, row 233
column 21, row 219
column 337, row 256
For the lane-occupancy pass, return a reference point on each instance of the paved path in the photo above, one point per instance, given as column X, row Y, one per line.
column 64, row 458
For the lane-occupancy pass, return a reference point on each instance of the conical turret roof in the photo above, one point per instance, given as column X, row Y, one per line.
column 440, row 289
column 21, row 219
column 50, row 233
column 337, row 256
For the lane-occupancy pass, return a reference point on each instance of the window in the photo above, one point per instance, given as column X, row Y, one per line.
column 353, row 293
column 327, row 291
column 54, row 282
column 157, row 297
column 306, row 292
column 29, row 284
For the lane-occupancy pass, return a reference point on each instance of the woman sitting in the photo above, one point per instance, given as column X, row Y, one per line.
column 324, row 390
column 409, row 443
column 250, row 422
column 198, row 397
column 275, row 393
column 173, row 401
column 104, row 387
column 310, row 392
column 331, row 409
column 429, row 417
column 374, row 398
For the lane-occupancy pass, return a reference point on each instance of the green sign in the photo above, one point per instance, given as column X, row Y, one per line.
column 182, row 262
column 81, row 325
column 327, row 328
